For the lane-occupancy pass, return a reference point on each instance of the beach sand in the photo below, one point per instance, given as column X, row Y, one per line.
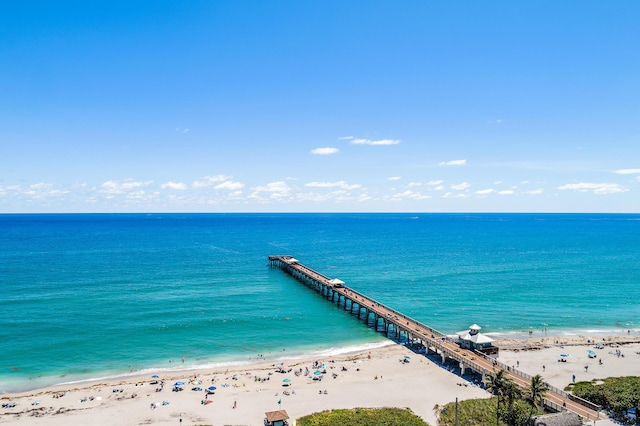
column 543, row 356
column 373, row 378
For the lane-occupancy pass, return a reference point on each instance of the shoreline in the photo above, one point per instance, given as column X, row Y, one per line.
column 374, row 377
column 516, row 340
column 366, row 378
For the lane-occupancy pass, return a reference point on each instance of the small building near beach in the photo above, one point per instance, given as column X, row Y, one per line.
column 557, row 419
column 276, row 418
column 474, row 340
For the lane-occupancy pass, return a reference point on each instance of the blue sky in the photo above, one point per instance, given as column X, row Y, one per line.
column 296, row 106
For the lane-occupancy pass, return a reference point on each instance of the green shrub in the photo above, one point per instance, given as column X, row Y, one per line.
column 363, row 417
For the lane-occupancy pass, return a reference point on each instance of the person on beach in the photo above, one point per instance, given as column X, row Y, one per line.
column 235, row 404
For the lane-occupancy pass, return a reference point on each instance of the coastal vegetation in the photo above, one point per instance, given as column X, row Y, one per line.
column 616, row 394
column 511, row 405
column 363, row 417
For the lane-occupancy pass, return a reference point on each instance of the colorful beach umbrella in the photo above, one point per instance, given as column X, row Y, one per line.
column 211, row 388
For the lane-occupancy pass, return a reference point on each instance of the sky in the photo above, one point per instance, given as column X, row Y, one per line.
column 319, row 106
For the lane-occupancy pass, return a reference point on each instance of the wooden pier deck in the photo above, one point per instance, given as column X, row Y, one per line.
column 393, row 323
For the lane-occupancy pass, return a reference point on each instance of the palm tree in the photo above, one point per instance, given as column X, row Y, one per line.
column 495, row 384
column 537, row 391
column 511, row 392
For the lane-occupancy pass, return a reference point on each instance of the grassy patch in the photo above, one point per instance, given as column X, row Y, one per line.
column 482, row 412
column 363, row 417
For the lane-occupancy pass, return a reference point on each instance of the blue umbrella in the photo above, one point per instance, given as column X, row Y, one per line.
column 286, row 380
column 407, row 357
column 564, row 355
column 178, row 384
column 211, row 388
column 317, row 373
column 155, row 376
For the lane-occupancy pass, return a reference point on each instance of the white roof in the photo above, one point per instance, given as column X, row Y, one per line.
column 336, row 281
column 474, row 327
column 291, row 260
column 475, row 338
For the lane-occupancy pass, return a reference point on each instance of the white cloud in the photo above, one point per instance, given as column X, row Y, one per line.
column 484, row 191
column 451, row 195
column 229, row 185
column 596, row 188
column 395, row 178
column 506, row 192
column 209, row 181
column 411, row 195
column 453, row 163
column 340, row 184
column 411, row 184
column 376, row 142
column 461, row 186
column 434, row 182
column 174, row 185
column 113, row 187
column 324, row 151
column 37, row 190
column 280, row 187
column 439, row 188
column 345, row 138
column 535, row 191
column 627, row 171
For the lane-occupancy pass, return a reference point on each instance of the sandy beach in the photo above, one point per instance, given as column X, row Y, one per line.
column 372, row 378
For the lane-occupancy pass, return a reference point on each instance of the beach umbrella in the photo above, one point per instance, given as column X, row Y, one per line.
column 407, row 357
column 286, row 380
column 212, row 388
column 564, row 355
column 178, row 384
column 155, row 376
column 317, row 373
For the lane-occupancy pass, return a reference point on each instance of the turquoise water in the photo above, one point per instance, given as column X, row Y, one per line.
column 86, row 296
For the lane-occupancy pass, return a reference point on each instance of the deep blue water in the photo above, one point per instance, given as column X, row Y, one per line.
column 91, row 295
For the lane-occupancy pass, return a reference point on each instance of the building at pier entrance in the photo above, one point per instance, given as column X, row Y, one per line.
column 474, row 340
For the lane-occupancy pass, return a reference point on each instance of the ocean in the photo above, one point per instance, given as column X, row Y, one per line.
column 88, row 296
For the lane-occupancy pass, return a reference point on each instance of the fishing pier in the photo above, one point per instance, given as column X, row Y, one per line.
column 396, row 325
